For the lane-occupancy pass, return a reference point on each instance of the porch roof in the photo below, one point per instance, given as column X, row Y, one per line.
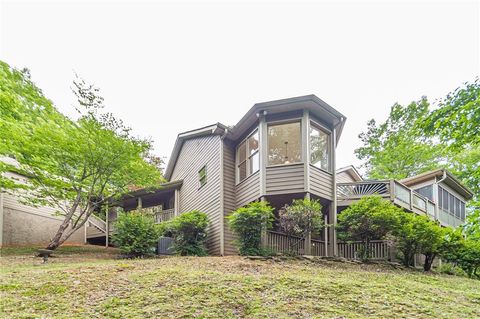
column 160, row 189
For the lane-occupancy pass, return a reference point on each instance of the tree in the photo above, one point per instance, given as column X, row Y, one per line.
column 136, row 234
column 430, row 239
column 73, row 165
column 301, row 218
column 247, row 223
column 396, row 148
column 371, row 218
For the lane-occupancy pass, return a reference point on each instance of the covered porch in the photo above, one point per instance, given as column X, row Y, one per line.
column 161, row 202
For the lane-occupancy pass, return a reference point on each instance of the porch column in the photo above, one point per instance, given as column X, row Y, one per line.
column 325, row 233
column 176, row 202
column 107, row 232
column 308, row 236
column 139, row 203
column 263, row 233
column 332, row 211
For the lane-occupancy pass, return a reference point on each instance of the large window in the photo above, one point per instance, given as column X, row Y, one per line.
column 319, row 148
column 451, row 204
column 284, row 143
column 248, row 157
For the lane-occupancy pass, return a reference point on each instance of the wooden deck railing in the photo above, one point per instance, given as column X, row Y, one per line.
column 379, row 249
column 391, row 189
column 281, row 243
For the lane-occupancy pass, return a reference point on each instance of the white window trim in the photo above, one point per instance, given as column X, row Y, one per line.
column 321, row 127
column 302, row 139
column 247, row 157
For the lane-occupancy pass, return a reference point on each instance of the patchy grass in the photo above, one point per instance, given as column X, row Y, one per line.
column 230, row 287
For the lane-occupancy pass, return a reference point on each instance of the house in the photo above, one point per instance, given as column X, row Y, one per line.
column 280, row 151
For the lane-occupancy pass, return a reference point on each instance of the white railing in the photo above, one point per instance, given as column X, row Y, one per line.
column 378, row 249
column 348, row 191
column 402, row 193
column 164, row 215
column 97, row 223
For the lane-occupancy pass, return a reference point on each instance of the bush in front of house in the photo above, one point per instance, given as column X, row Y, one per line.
column 371, row 218
column 136, row 234
column 189, row 231
column 247, row 222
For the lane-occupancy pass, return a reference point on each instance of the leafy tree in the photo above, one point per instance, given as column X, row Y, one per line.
column 396, row 148
column 304, row 216
column 136, row 234
column 189, row 231
column 466, row 255
column 247, row 223
column 371, row 218
column 72, row 165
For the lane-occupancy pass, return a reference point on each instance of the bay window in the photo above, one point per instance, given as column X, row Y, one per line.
column 319, row 147
column 284, row 143
column 248, row 158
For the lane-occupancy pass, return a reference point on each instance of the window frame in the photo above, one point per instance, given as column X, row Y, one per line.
column 204, row 177
column 451, row 210
column 248, row 157
column 302, row 140
column 318, row 126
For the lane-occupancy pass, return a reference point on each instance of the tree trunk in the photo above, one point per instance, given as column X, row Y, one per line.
column 57, row 239
column 427, row 266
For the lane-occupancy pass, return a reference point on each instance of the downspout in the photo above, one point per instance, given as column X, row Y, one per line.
column 222, row 195
column 444, row 177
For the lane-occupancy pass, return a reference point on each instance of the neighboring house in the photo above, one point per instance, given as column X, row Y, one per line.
column 280, row 151
column 22, row 225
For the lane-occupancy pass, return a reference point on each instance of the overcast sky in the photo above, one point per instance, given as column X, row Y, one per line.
column 165, row 68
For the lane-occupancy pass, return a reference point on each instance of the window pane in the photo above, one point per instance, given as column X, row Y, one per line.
column 254, row 163
column 242, row 171
column 440, row 198
column 426, row 191
column 319, row 148
column 462, row 210
column 253, row 144
column 284, row 143
column 445, row 200
column 242, row 152
column 457, row 208
column 451, row 204
column 202, row 175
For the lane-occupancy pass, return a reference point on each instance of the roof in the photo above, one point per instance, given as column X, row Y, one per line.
column 311, row 102
column 350, row 169
column 437, row 174
column 162, row 188
column 217, row 128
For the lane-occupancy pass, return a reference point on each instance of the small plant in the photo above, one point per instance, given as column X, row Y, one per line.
column 136, row 234
column 247, row 223
column 189, row 231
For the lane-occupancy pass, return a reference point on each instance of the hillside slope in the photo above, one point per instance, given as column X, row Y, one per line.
column 230, row 287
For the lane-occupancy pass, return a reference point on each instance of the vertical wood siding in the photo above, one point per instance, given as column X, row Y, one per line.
column 196, row 153
column 248, row 190
column 321, row 183
column 285, row 179
column 228, row 196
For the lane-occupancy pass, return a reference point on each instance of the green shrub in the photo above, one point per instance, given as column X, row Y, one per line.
column 451, row 269
column 136, row 234
column 189, row 231
column 303, row 216
column 246, row 222
column 370, row 218
column 467, row 257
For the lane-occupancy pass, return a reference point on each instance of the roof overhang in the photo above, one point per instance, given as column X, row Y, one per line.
column 352, row 171
column 312, row 103
column 216, row 128
column 440, row 174
column 162, row 188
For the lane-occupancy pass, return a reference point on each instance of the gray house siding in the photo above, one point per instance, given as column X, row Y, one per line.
column 228, row 196
column 285, row 179
column 321, row 183
column 344, row 177
column 248, row 190
column 194, row 154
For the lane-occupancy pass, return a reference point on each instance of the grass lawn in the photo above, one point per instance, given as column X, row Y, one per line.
column 86, row 282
